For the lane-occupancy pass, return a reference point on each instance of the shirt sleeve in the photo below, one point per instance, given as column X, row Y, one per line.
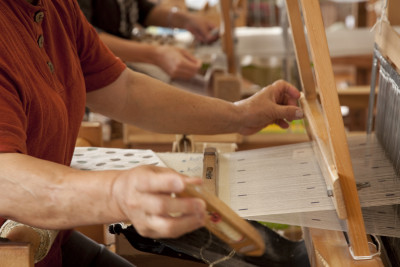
column 13, row 123
column 99, row 65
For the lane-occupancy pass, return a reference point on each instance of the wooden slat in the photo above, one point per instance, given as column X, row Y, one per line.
column 330, row 103
column 301, row 50
column 316, row 127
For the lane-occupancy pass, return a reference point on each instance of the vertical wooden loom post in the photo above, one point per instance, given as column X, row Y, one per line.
column 226, row 84
column 334, row 121
column 315, row 121
column 330, row 102
column 227, row 35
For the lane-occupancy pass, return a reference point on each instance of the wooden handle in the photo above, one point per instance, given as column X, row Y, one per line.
column 223, row 222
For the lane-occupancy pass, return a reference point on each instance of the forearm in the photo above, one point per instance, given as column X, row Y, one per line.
column 166, row 17
column 52, row 196
column 153, row 105
column 129, row 50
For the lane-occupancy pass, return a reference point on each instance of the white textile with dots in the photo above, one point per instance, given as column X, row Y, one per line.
column 97, row 158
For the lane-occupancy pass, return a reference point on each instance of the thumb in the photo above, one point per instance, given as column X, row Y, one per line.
column 290, row 113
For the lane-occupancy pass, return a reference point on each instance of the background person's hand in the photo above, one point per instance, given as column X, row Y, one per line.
column 202, row 29
column 177, row 62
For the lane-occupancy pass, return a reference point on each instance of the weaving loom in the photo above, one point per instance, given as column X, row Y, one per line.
column 309, row 184
column 319, row 189
column 326, row 129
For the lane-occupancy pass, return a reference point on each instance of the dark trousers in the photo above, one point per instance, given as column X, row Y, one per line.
column 81, row 251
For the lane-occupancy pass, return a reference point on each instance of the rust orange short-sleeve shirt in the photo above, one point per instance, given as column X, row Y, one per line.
column 50, row 57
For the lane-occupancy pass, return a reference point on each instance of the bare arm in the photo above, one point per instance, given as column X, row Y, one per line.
column 140, row 100
column 50, row 195
column 53, row 196
column 175, row 61
column 129, row 50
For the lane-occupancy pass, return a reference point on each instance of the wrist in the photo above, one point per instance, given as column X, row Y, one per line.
column 239, row 116
column 152, row 53
column 116, row 196
column 159, row 54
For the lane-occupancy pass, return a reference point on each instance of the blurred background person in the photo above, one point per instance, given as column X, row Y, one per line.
column 116, row 19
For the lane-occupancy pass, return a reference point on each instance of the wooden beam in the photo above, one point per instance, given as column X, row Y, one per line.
column 301, row 49
column 330, row 103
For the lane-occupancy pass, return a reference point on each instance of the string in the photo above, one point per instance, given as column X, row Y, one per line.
column 207, row 245
column 231, row 254
column 382, row 18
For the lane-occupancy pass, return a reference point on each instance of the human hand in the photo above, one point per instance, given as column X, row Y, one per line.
column 276, row 103
column 177, row 63
column 143, row 195
column 202, row 29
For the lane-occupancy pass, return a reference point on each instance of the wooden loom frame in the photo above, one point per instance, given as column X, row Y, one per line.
column 388, row 41
column 325, row 124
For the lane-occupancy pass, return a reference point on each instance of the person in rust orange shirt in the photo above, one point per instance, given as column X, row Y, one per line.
column 52, row 64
